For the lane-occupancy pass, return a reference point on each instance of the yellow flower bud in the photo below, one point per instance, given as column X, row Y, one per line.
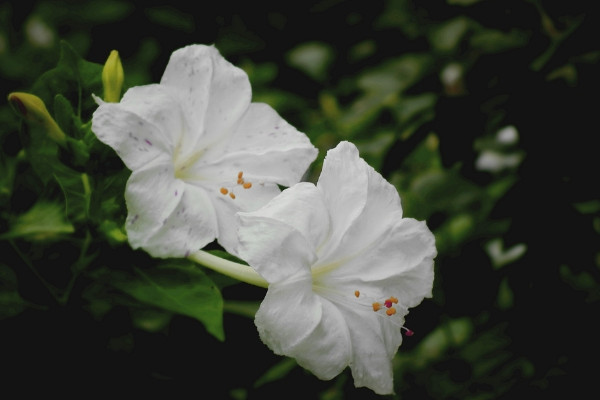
column 112, row 78
column 33, row 110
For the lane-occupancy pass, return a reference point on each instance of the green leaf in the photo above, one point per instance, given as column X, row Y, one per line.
column 495, row 41
column 312, row 58
column 179, row 287
column 77, row 192
column 10, row 302
column 278, row 371
column 63, row 114
column 72, row 81
column 362, row 113
column 43, row 221
column 382, row 87
column 40, row 151
column 115, row 233
column 411, row 107
column 396, row 74
column 447, row 36
column 73, row 78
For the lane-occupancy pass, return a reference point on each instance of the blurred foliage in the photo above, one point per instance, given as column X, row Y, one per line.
column 481, row 112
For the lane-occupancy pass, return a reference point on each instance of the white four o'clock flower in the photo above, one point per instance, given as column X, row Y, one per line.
column 199, row 151
column 343, row 268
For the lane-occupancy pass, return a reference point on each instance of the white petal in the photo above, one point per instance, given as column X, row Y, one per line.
column 413, row 285
column 167, row 218
column 226, row 208
column 375, row 208
column 374, row 344
column 398, row 249
column 344, row 182
column 157, row 105
column 136, row 140
column 293, row 321
column 265, row 147
column 277, row 251
column 301, row 207
column 213, row 92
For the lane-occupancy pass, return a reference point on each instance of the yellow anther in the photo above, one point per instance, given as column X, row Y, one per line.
column 393, row 300
column 376, row 306
column 390, row 311
column 240, row 181
column 240, row 174
column 356, row 293
column 224, row 191
column 232, row 195
column 247, row 185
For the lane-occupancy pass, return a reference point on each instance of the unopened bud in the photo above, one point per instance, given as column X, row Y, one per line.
column 34, row 111
column 112, row 78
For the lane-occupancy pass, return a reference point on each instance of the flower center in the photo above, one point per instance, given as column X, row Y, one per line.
column 386, row 308
column 240, row 182
column 183, row 164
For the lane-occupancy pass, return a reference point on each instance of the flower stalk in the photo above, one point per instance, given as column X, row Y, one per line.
column 232, row 269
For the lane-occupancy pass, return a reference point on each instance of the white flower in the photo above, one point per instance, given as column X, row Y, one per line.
column 199, row 151
column 343, row 268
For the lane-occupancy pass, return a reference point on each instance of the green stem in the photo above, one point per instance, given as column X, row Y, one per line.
column 234, row 270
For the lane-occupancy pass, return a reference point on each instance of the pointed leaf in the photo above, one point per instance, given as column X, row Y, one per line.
column 43, row 221
column 178, row 287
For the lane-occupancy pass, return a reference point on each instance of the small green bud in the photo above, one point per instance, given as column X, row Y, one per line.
column 34, row 111
column 112, row 78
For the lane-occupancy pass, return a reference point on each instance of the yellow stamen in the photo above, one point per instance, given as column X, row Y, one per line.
column 224, row 191
column 232, row 195
column 376, row 306
column 356, row 293
column 390, row 311
column 247, row 185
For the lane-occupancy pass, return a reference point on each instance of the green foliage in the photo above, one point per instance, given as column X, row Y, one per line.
column 44, row 221
column 172, row 286
column 81, row 205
